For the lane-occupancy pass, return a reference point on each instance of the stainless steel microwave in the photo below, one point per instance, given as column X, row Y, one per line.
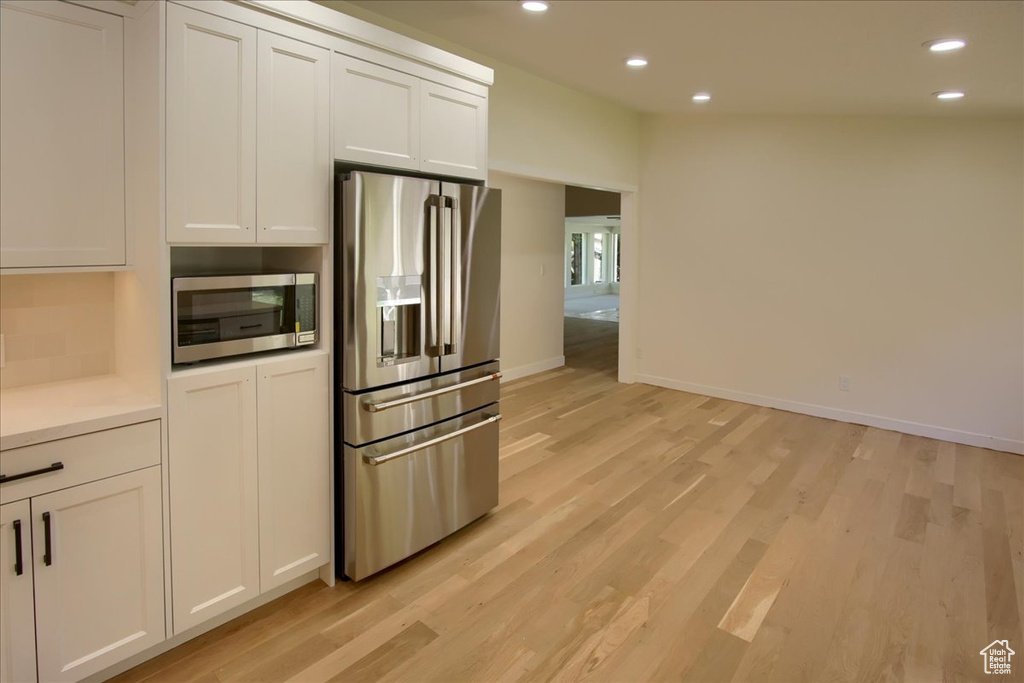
column 230, row 315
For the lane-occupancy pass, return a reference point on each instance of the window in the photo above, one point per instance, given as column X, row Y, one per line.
column 592, row 258
column 618, row 256
column 576, row 259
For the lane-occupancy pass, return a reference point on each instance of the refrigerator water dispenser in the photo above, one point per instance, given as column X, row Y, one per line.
column 399, row 306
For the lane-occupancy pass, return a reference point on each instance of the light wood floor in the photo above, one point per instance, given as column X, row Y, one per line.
column 651, row 535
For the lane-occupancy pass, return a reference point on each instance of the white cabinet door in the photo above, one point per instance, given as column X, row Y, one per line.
column 17, row 610
column 294, row 456
column 211, row 128
column 293, row 149
column 213, row 493
column 376, row 114
column 99, row 580
column 61, row 136
column 453, row 132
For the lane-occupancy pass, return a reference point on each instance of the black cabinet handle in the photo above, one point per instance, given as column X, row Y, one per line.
column 19, row 568
column 250, row 327
column 47, row 549
column 4, row 478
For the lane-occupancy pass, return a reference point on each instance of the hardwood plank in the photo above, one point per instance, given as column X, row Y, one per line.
column 759, row 659
column 912, row 518
column 967, row 484
column 743, row 618
column 965, row 599
column 1004, row 620
column 389, row 655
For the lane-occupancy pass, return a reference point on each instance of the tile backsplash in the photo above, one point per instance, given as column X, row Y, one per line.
column 56, row 327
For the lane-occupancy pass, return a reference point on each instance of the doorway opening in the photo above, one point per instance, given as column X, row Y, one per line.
column 593, row 266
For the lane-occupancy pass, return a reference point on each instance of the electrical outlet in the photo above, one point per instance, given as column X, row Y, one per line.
column 844, row 383
column 639, row 354
column 543, row 269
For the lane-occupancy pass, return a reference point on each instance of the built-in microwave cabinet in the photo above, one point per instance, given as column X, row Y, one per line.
column 389, row 118
column 248, row 125
column 62, row 183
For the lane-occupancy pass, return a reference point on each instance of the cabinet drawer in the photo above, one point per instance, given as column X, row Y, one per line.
column 85, row 458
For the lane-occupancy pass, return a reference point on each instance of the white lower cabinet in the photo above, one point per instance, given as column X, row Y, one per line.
column 95, row 555
column 249, row 458
column 294, row 466
column 98, row 554
column 212, row 469
column 17, row 608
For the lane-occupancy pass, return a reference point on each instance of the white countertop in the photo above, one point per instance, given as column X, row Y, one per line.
column 45, row 412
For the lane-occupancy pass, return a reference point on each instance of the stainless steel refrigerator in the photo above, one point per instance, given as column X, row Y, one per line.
column 418, row 269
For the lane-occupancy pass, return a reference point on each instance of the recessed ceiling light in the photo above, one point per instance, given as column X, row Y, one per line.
column 535, row 6
column 945, row 44
column 701, row 97
column 949, row 94
column 636, row 62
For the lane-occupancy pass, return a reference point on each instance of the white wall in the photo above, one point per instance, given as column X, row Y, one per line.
column 779, row 253
column 541, row 129
column 544, row 130
column 532, row 239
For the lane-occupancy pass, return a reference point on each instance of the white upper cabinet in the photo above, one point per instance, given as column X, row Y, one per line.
column 293, row 145
column 395, row 120
column 17, row 609
column 376, row 114
column 213, row 493
column 248, row 134
column 453, row 131
column 98, row 551
column 293, row 426
column 61, row 136
column 211, row 128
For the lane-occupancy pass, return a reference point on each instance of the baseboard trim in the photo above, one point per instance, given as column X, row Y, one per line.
column 915, row 428
column 532, row 368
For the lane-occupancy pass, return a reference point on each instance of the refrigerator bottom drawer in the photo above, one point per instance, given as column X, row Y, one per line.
column 406, row 493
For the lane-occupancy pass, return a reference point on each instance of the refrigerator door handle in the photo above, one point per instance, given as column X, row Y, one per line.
column 451, row 250
column 435, row 312
column 384, row 405
column 381, row 459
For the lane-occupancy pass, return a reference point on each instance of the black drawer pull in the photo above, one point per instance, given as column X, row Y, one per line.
column 4, row 478
column 47, row 550
column 250, row 327
column 19, row 568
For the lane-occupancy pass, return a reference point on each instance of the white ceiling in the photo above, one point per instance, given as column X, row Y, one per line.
column 785, row 57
